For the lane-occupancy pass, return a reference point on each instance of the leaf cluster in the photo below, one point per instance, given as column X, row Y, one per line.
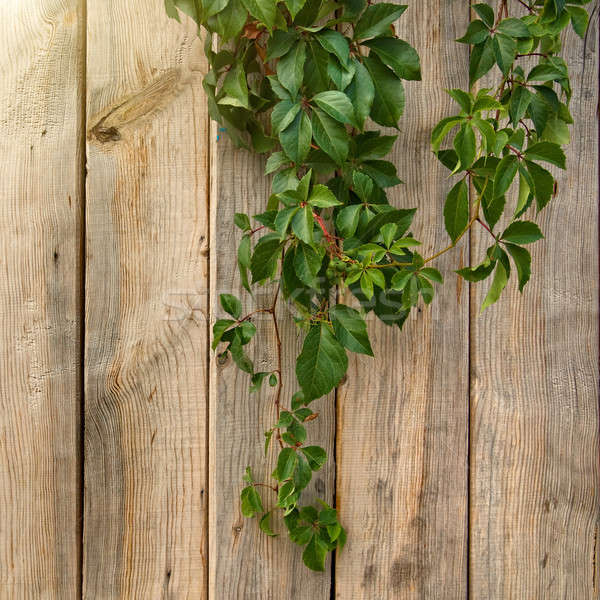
column 306, row 81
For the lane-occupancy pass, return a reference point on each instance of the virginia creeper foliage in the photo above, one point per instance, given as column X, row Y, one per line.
column 306, row 81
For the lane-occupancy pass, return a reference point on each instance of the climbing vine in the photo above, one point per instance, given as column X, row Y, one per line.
column 304, row 81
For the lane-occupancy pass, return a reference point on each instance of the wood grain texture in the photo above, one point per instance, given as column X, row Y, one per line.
column 146, row 297
column 244, row 563
column 534, row 401
column 403, row 417
column 41, row 184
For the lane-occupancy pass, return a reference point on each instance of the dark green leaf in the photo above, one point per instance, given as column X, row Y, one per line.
column 286, row 464
column 307, row 263
column 335, row 43
column 456, row 210
column 505, row 50
column 514, row 28
column 266, row 255
column 315, row 553
column 290, row 68
column 522, row 232
column 522, row 260
column 485, row 12
column 337, row 105
column 361, row 92
column 389, row 101
column 543, row 184
column 219, row 328
column 350, row 329
column 482, row 60
column 547, row 152
column 295, row 139
column 265, row 525
column 376, row 20
column 465, row 146
column 399, row 55
column 322, row 362
column 231, row 305
column 315, row 455
column 477, row 32
column 330, row 136
column 505, row 174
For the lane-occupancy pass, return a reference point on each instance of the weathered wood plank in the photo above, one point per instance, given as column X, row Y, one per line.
column 146, row 305
column 534, row 405
column 41, row 187
column 244, row 563
column 403, row 417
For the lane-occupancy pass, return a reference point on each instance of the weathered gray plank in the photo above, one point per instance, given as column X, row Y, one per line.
column 403, row 417
column 146, row 304
column 534, row 402
column 41, row 184
column 244, row 563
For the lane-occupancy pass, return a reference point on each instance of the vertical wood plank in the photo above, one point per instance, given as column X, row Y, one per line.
column 403, row 417
column 534, row 402
column 146, row 305
column 41, row 184
column 244, row 562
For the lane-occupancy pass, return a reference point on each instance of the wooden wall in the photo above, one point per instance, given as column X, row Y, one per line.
column 465, row 465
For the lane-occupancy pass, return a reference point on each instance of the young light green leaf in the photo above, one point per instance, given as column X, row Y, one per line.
column 465, row 146
column 315, row 455
column 251, row 502
column 322, row 197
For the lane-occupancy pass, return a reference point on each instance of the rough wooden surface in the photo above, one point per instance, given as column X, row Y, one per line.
column 534, row 397
column 146, row 327
column 403, row 420
column 244, row 563
column 41, row 178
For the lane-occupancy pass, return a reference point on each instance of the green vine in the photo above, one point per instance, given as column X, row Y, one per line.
column 300, row 80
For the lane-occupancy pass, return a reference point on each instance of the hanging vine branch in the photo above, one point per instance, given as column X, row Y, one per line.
column 301, row 80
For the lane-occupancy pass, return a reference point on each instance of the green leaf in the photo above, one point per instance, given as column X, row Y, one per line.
column 522, row 260
column 465, row 146
column 579, row 20
column 337, row 105
column 280, row 43
column 498, row 284
column 547, row 152
column 290, row 68
column 477, row 32
column 231, row 305
column 505, row 173
column 239, row 356
column 432, row 274
column 295, row 139
column 330, row 136
column 334, row 42
column 399, row 55
column 283, row 219
column 389, row 101
column 361, row 92
column 456, row 210
column 219, row 328
column 482, row 60
column 257, row 381
column 265, row 526
column 377, row 19
column 243, row 258
column 363, row 186
column 514, row 28
column 302, row 224
column 315, row 553
column 263, row 10
column 251, row 502
column 347, row 220
column 315, row 455
column 350, row 329
column 322, row 197
column 283, row 115
column 485, row 12
column 303, row 472
column 478, row 273
column 242, row 221
column 522, row 232
column 230, row 21
column 505, row 50
column 236, row 88
column 265, row 258
column 286, row 464
column 519, row 103
column 322, row 362
column 402, row 218
column 543, row 184
column 307, row 263
column 464, row 100
column 295, row 6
